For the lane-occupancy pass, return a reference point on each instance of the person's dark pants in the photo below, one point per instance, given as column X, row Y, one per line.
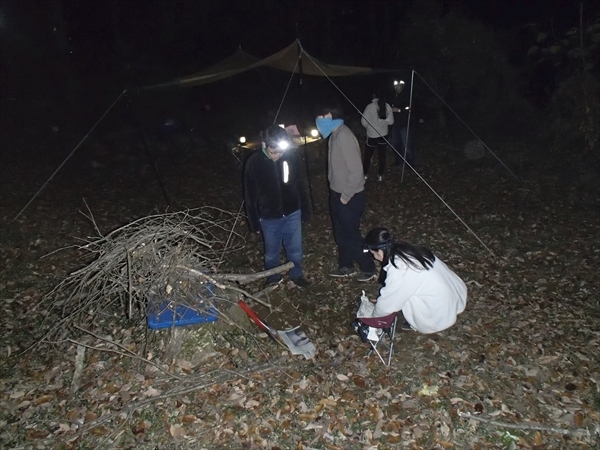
column 346, row 230
column 398, row 141
column 372, row 144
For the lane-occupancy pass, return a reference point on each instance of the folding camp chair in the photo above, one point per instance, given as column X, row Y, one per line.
column 383, row 329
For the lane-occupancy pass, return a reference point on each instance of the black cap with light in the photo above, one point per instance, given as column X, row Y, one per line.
column 387, row 244
column 276, row 138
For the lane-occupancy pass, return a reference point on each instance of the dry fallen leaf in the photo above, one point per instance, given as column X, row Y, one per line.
column 43, row 399
column 17, row 394
column 394, row 438
column 578, row 419
column 417, row 433
column 99, row 431
column 177, row 432
column 303, row 383
column 37, row 434
column 428, row 390
column 151, row 392
column 91, row 416
column 360, row 382
column 140, row 427
column 188, row 418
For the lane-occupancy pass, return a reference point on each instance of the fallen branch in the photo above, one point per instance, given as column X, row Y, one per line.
column 266, row 291
column 225, row 287
column 250, row 277
column 517, row 426
column 76, row 381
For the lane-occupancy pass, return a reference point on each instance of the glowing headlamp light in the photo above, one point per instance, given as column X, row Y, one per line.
column 280, row 146
column 386, row 244
column 314, row 133
column 283, row 145
column 242, row 139
column 398, row 82
column 366, row 248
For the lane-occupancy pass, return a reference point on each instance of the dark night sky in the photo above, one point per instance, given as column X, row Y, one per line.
column 73, row 47
column 192, row 34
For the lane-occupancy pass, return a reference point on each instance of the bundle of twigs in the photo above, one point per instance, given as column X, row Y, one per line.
column 139, row 263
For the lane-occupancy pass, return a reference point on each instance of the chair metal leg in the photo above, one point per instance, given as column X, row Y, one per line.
column 374, row 349
column 390, row 334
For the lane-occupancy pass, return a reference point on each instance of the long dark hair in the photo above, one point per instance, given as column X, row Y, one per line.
column 415, row 256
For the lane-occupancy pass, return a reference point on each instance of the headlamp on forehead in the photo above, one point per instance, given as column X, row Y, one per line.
column 385, row 245
column 279, row 146
column 366, row 248
column 282, row 145
column 398, row 82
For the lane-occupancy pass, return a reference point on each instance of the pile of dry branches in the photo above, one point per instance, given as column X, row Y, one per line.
column 139, row 266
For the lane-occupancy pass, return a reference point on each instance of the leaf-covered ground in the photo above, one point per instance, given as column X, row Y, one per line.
column 520, row 369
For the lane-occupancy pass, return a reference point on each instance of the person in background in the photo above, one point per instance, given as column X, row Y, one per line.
column 416, row 282
column 276, row 202
column 400, row 140
column 376, row 118
column 347, row 199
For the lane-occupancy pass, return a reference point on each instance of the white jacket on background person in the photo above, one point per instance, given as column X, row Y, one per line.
column 430, row 300
column 376, row 126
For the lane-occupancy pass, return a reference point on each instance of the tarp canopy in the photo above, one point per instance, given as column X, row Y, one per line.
column 287, row 60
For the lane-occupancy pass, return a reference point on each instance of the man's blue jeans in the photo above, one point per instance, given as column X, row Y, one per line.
column 287, row 231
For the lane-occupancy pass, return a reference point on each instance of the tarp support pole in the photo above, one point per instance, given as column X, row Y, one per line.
column 302, row 118
column 148, row 152
column 412, row 79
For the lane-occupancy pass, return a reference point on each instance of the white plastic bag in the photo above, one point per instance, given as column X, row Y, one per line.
column 366, row 307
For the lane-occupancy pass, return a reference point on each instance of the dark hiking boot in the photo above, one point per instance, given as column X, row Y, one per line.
column 342, row 272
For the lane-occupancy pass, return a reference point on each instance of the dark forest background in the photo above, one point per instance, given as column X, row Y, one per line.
column 513, row 70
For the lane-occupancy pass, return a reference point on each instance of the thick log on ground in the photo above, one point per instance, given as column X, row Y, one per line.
column 250, row 277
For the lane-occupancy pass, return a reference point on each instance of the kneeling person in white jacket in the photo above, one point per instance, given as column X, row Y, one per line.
column 428, row 293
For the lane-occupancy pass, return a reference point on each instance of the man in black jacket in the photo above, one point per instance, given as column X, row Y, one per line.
column 276, row 201
column 400, row 102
